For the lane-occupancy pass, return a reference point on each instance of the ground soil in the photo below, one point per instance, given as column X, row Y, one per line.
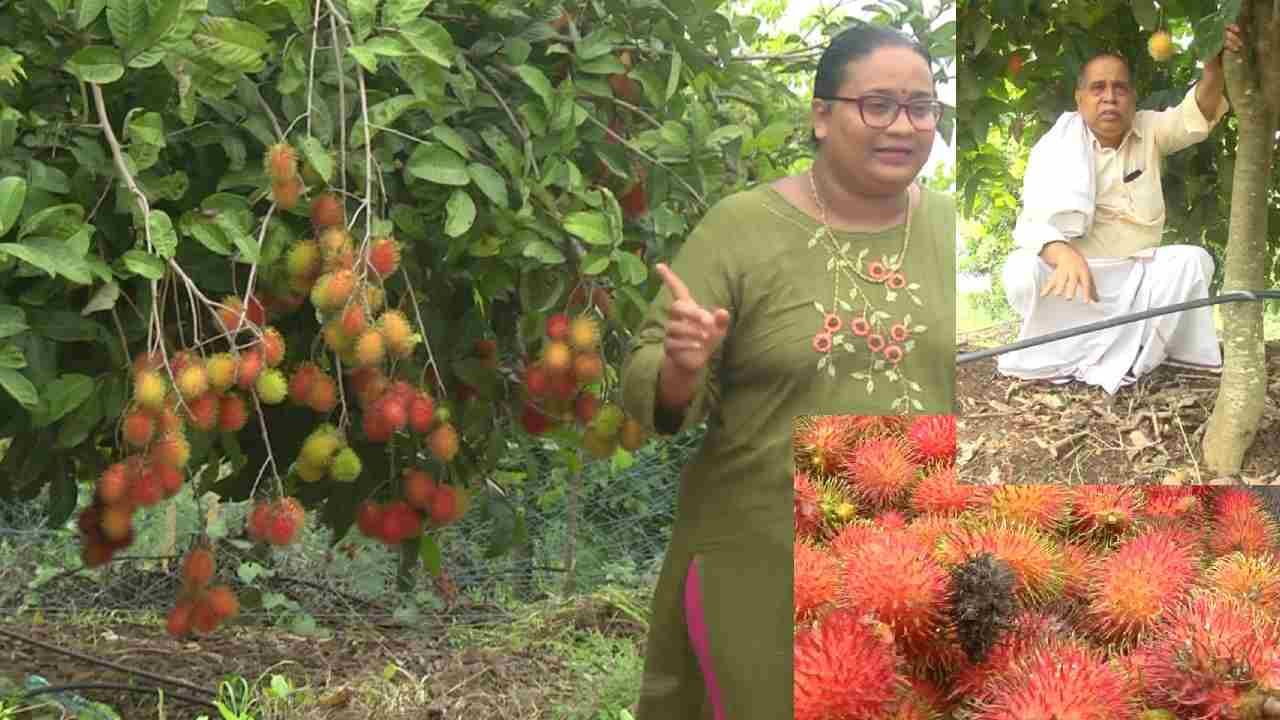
column 356, row 673
column 1011, row 431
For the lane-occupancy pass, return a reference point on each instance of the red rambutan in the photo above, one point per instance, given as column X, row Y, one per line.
column 1132, row 588
column 880, row 471
column 933, row 437
column 844, row 668
column 817, row 581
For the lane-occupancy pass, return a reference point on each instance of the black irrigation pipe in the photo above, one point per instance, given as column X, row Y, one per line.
column 119, row 687
column 1237, row 296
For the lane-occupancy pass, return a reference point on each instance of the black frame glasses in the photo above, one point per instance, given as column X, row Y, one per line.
column 935, row 107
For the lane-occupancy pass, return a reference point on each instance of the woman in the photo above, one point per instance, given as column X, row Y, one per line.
column 830, row 292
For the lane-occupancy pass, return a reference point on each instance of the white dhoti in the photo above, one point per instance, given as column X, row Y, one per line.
column 1117, row 356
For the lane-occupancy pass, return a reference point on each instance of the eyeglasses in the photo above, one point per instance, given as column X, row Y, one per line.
column 879, row 112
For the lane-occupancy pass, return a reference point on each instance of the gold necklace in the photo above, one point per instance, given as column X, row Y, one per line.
column 887, row 268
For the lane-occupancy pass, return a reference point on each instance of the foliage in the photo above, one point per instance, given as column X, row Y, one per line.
column 1019, row 63
column 530, row 159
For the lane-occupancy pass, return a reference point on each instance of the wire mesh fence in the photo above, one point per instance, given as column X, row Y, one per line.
column 616, row 542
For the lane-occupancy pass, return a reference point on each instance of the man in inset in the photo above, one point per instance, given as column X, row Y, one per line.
column 1088, row 236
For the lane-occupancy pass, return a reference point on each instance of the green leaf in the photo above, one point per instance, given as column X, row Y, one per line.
column 146, row 128
column 234, row 44
column 452, row 138
column 673, row 80
column 59, row 220
column 401, row 12
column 363, row 13
column 438, row 164
column 319, row 158
column 61, row 397
column 538, row 82
column 163, row 18
column 13, row 194
column 594, row 264
column 33, row 255
column 385, row 114
column 607, row 65
column 1145, row 12
column 163, row 236
column 490, row 182
column 127, row 20
column 80, row 423
column 431, row 40
column 64, row 493
column 19, row 387
column 366, row 57
column 144, row 263
column 429, row 551
column 248, row 247
column 462, row 213
column 545, row 252
column 87, row 11
column 11, row 357
column 596, row 44
column 65, row 326
column 592, row 227
column 12, row 321
column 632, row 268
column 96, row 64
column 104, row 299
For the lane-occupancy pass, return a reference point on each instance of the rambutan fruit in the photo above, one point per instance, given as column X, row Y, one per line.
column 233, row 308
column 138, row 427
column 392, row 410
column 533, row 420
column 384, row 256
column 421, row 412
column 273, row 347
column 816, row 581
column 310, row 473
column 115, row 521
column 354, row 320
column 609, row 419
column 867, row 427
column 419, row 487
column 844, row 667
column 193, row 381
column 1068, row 682
column 443, row 442
column 222, row 371
column 584, row 333
column 287, row 193
column 374, row 297
column 1033, row 555
column 901, row 584
column 1077, row 571
column 272, row 387
column 95, row 555
column 821, row 442
column 557, row 326
column 149, row 390
column 632, row 435
column 448, row 504
column 370, row 348
column 982, row 603
column 169, row 478
column 326, row 210
column 1043, row 506
column 808, row 516
column 1030, row 631
column 1171, row 505
column 323, row 395
column 564, row 387
column 1215, row 656
column 204, row 411
column 933, row 437
column 282, row 528
column 1255, row 578
column 281, row 162
column 251, row 364
column 376, row 430
column 346, row 466
column 336, row 246
column 178, row 621
column 112, row 485
column 921, row 700
column 397, row 333
column 321, row 445
column 1241, row 524
column 587, row 367
column 145, row 489
column 303, row 260
column 1107, row 509
column 222, row 602
column 941, row 493
column 880, row 471
column 198, row 567
column 144, row 361
column 1132, row 588
column 301, row 381
column 537, row 381
column 557, row 357
column 233, row 413
column 891, row 520
column 203, row 619
column 585, row 407
column 168, row 421
column 598, row 445
column 333, row 289
column 399, row 523
column 369, row 519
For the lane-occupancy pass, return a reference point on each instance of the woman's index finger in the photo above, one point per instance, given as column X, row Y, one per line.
column 678, row 289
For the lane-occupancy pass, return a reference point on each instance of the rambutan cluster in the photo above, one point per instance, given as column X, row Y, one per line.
column 1029, row 601
column 562, row 387
column 423, row 500
column 200, row 606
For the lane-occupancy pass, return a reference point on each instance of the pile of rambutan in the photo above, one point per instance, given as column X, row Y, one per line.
column 918, row 596
column 563, row 387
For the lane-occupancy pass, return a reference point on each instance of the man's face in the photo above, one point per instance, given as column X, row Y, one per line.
column 1106, row 100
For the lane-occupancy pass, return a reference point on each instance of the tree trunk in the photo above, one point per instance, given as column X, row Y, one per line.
column 1242, row 394
column 571, row 534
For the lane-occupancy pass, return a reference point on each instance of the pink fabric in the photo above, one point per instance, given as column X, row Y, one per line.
column 698, row 635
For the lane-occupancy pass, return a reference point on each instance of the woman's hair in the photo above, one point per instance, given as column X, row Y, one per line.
column 855, row 43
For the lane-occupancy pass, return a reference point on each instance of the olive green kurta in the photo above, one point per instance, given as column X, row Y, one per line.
column 794, row 347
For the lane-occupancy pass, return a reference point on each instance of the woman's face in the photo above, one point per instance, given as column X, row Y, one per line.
column 877, row 161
